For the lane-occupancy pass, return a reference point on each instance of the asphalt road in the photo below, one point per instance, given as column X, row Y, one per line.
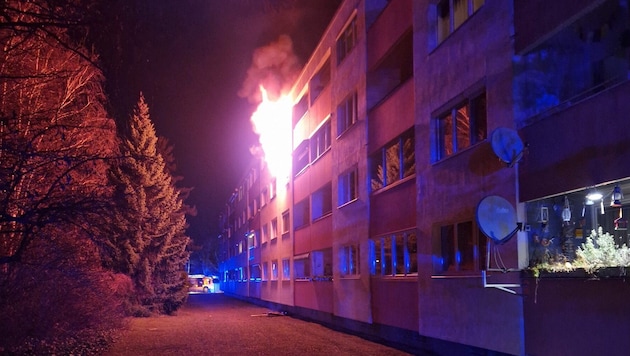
column 215, row 324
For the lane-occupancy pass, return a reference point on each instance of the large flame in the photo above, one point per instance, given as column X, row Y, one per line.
column 272, row 122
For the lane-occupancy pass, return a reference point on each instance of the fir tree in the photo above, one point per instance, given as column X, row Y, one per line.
column 150, row 243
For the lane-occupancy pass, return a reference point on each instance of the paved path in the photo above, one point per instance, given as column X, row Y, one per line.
column 214, row 324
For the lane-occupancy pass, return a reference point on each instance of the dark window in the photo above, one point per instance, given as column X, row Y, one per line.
column 319, row 81
column 347, row 40
column 395, row 254
column 348, row 187
column 321, row 202
column 347, row 113
column 301, row 216
column 459, row 248
column 320, row 142
column 395, row 69
column 453, row 13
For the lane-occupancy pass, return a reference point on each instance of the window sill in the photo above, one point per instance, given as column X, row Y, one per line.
column 463, row 275
column 349, row 202
column 395, row 184
column 579, row 273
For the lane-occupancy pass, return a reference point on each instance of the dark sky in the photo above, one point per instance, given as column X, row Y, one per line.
column 190, row 58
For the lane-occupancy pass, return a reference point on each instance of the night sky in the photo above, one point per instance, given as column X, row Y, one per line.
column 190, row 59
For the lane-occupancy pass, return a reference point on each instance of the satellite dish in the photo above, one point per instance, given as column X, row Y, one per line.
column 507, row 145
column 496, row 218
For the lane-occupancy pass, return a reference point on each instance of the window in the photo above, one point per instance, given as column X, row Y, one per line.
column 301, row 267
column 320, row 141
column 286, row 269
column 461, row 127
column 395, row 68
column 272, row 189
column 582, row 59
column 265, row 270
column 393, row 162
column 254, row 272
column 349, row 261
column 452, row 13
column 322, row 265
column 265, row 233
column 319, row 81
column 459, row 248
column 302, row 214
column 300, row 108
column 394, row 255
column 274, row 270
column 300, row 157
column 321, row 202
column 251, row 240
column 347, row 113
column 348, row 187
column 286, row 222
column 274, row 228
column 347, row 40
column 264, row 197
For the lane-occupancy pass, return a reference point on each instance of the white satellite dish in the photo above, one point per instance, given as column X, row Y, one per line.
column 496, row 218
column 507, row 145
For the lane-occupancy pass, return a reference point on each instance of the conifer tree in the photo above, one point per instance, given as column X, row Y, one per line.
column 149, row 244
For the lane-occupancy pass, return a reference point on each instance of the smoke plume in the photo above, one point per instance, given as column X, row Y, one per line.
column 274, row 66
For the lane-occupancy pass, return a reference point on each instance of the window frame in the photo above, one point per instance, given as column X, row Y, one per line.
column 453, row 232
column 347, row 40
column 379, row 181
column 348, row 187
column 321, row 140
column 350, row 261
column 321, row 202
column 347, row 113
column 385, row 259
column 444, row 29
column 447, row 132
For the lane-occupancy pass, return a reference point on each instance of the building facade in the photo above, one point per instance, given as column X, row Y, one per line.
column 407, row 116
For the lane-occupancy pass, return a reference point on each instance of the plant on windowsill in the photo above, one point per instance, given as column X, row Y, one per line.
column 599, row 256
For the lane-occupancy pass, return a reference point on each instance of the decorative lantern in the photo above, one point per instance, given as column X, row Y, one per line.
column 566, row 212
column 617, row 195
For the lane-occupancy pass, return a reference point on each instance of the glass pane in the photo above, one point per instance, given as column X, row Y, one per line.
column 400, row 253
column 409, row 156
column 392, row 159
column 376, row 174
column 447, row 243
column 387, row 256
column 479, row 114
column 354, row 259
column 477, row 4
column 446, row 135
column 443, row 20
column 460, row 12
column 412, row 251
column 463, row 127
column 465, row 246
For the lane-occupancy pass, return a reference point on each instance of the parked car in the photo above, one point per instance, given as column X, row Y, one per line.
column 200, row 284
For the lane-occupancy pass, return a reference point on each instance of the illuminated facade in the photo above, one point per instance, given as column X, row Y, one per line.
column 394, row 114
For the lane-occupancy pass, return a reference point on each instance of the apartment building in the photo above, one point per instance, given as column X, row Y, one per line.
column 402, row 117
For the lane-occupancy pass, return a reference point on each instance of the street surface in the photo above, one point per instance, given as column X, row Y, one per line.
column 215, row 324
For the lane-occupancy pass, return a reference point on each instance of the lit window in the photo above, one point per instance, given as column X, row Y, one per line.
column 272, row 189
column 320, row 141
column 348, row 187
column 347, row 40
column 453, row 13
column 394, row 255
column 459, row 248
column 347, row 113
column 264, row 197
column 393, row 162
column 460, row 127
column 349, row 260
column 286, row 269
column 321, row 202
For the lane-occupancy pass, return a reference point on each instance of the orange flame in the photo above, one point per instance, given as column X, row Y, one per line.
column 272, row 122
